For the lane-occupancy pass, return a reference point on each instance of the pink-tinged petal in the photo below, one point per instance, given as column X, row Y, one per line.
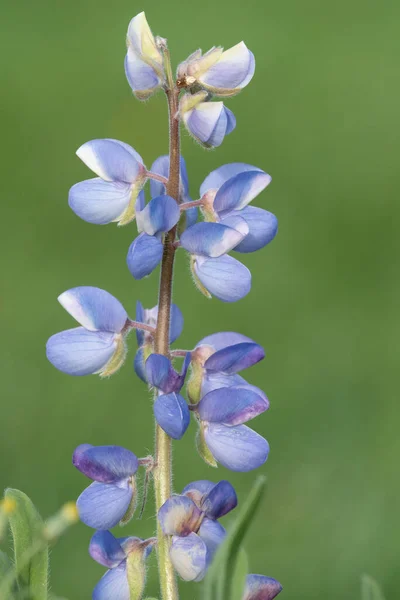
column 106, row 550
column 142, row 77
column 220, row 500
column 159, row 215
column 211, row 239
column 144, row 254
column 112, row 160
column 239, row 191
column 235, row 358
column 197, row 490
column 107, row 464
column 259, row 587
column 231, row 406
column 98, row 201
column 172, row 414
column 189, row 557
column 94, row 308
column 179, row 515
column 224, row 277
column 81, row 352
column 236, row 448
column 113, row 585
column 103, row 505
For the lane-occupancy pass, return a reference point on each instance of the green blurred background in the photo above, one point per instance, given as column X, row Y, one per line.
column 321, row 116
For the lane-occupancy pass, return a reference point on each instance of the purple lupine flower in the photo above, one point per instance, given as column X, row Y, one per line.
column 208, row 122
column 154, row 219
column 145, row 339
column 161, row 167
column 226, row 193
column 144, row 61
column 191, row 520
column 112, row 195
column 118, row 554
column 170, row 408
column 221, row 73
column 111, row 497
column 259, row 587
column 96, row 347
column 213, row 271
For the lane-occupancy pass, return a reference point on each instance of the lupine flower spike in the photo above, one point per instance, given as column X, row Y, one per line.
column 205, row 381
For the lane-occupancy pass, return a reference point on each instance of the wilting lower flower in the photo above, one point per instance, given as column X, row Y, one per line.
column 159, row 216
column 122, row 556
column 145, row 339
column 207, row 122
column 221, row 73
column 170, row 408
column 112, row 195
column 111, row 497
column 259, row 587
column 191, row 519
column 96, row 347
column 227, row 191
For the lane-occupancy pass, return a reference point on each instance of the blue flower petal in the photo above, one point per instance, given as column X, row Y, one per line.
column 140, row 318
column 237, row 192
column 259, row 587
column 94, row 308
column 223, row 339
column 98, row 201
column 107, row 464
column 236, row 448
column 263, row 227
column 113, row 585
column 231, row 406
column 80, row 352
column 224, row 277
column 197, row 490
column 220, row 500
column 176, row 323
column 142, row 78
column 112, row 160
column 159, row 215
column 161, row 167
column 209, row 122
column 214, row 381
column 179, row 515
column 103, row 505
column 231, row 72
column 212, row 534
column 139, row 365
column 162, row 375
column 216, row 178
column 211, row 239
column 172, row 414
column 144, row 254
column 235, row 358
column 189, row 557
column 106, row 550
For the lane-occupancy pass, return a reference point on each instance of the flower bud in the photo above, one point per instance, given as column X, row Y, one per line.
column 207, row 122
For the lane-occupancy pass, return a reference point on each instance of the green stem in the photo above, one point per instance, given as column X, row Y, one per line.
column 163, row 451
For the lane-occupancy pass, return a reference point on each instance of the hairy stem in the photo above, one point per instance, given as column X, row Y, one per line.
column 163, row 451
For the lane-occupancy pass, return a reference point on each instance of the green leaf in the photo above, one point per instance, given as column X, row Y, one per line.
column 227, row 573
column 30, row 550
column 370, row 589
